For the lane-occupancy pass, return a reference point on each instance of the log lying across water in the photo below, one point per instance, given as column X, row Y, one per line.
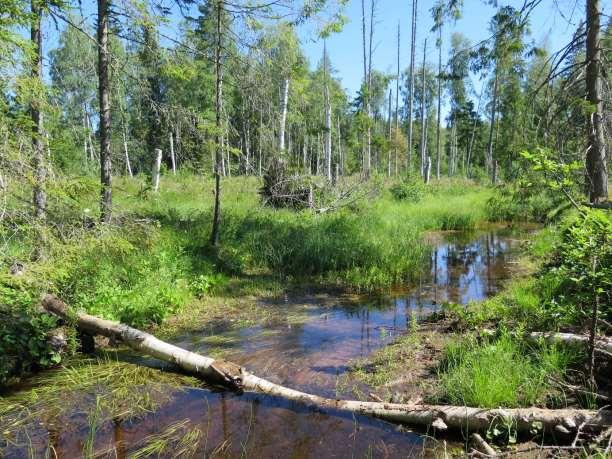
column 441, row 417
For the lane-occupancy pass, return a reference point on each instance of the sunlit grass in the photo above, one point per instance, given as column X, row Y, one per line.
column 503, row 372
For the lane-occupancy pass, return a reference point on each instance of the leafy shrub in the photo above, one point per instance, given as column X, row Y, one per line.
column 515, row 203
column 24, row 346
column 580, row 271
column 131, row 274
column 408, row 190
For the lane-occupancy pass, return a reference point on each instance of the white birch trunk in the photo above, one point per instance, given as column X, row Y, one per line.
column 172, row 157
column 283, row 119
column 156, row 169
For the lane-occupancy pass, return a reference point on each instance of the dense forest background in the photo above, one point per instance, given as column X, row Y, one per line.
column 501, row 96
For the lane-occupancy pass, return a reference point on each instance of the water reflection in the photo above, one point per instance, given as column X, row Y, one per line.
column 307, row 348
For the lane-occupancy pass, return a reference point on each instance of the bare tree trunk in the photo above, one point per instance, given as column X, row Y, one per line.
column 172, row 157
column 397, row 81
column 423, row 108
column 439, row 112
column 596, row 159
column 92, row 151
column 106, row 197
column 283, row 118
column 128, row 165
column 156, row 170
column 369, row 79
column 340, row 157
column 39, row 196
column 366, row 104
column 305, row 155
column 328, row 127
column 216, row 227
column 390, row 121
column 489, row 162
column 85, row 146
column 411, row 86
column 473, row 135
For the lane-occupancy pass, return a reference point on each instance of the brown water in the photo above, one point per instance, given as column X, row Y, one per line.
column 310, row 344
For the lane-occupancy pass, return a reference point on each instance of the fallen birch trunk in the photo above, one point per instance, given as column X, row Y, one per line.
column 602, row 343
column 231, row 375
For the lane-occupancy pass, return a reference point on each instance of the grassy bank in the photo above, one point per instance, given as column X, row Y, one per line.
column 449, row 359
column 155, row 258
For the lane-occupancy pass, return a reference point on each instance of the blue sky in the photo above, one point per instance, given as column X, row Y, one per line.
column 552, row 24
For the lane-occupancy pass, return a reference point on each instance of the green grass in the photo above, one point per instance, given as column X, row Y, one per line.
column 156, row 258
column 504, row 372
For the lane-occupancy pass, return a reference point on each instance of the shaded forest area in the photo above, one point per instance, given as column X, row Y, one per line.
column 166, row 165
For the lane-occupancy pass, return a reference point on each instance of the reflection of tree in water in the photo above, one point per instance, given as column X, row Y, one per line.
column 462, row 271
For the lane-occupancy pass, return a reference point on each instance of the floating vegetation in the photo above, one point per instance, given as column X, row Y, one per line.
column 177, row 440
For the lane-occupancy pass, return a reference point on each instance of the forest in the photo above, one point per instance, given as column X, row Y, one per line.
column 301, row 228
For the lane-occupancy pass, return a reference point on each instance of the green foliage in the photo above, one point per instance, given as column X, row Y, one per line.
column 134, row 274
column 24, row 331
column 503, row 372
column 408, row 190
column 518, row 202
column 540, row 194
column 580, row 271
column 156, row 258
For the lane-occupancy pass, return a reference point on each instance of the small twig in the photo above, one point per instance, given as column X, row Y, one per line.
column 482, row 446
column 579, row 389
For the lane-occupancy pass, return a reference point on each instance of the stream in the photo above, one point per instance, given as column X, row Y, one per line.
column 308, row 347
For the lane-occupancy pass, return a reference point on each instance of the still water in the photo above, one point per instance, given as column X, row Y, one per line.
column 307, row 347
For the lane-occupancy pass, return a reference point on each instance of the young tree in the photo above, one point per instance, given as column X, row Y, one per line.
column 219, row 17
column 38, row 148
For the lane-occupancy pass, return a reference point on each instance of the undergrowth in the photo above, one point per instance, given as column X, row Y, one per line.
column 155, row 258
column 503, row 372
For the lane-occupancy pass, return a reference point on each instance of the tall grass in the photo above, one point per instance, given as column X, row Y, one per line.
column 156, row 258
column 504, row 372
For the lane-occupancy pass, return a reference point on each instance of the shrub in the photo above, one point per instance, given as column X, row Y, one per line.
column 24, row 346
column 516, row 203
column 131, row 274
column 580, row 271
column 409, row 190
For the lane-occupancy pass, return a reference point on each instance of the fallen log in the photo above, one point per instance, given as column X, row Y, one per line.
column 440, row 417
column 602, row 343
